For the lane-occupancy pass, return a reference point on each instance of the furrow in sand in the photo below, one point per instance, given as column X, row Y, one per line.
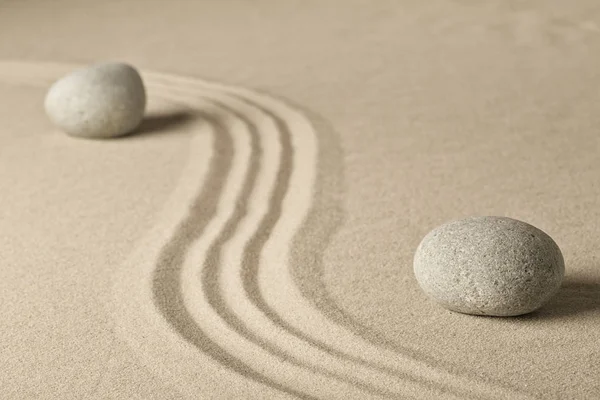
column 221, row 277
column 262, row 277
column 277, row 366
column 239, row 257
column 171, row 306
column 295, row 314
column 158, row 289
column 142, row 329
column 219, row 190
column 379, row 379
column 173, row 282
column 298, row 312
column 161, row 348
column 23, row 74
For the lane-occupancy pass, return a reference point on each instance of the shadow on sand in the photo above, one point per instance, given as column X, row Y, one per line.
column 576, row 296
column 159, row 123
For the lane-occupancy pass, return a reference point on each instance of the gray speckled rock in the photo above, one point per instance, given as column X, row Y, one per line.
column 101, row 101
column 489, row 266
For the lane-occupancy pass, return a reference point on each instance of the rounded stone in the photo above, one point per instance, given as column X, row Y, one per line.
column 489, row 266
column 101, row 101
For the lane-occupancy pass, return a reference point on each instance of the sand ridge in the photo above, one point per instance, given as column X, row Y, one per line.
column 243, row 308
column 209, row 300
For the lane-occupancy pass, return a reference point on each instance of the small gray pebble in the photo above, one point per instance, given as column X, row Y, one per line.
column 101, row 101
column 489, row 266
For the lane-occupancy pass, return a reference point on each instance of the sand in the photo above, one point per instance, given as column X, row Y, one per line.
column 254, row 239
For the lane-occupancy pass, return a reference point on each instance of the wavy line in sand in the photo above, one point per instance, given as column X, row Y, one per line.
column 263, row 330
column 229, row 298
column 251, row 349
column 169, row 260
column 272, row 274
column 163, row 351
column 281, row 279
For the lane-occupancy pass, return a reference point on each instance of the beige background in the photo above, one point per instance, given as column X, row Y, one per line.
column 430, row 111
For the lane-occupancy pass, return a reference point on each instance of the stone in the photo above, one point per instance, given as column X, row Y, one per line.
column 101, row 101
column 489, row 266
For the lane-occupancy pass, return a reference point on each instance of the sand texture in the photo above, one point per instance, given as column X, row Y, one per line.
column 254, row 237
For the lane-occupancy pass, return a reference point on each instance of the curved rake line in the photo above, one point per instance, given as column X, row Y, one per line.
column 168, row 256
column 380, row 392
column 143, row 325
column 249, row 270
column 219, row 256
column 454, row 386
column 430, row 369
column 320, row 240
column 323, row 221
column 185, row 324
column 220, row 253
column 167, row 281
column 184, row 78
column 227, row 314
column 217, row 352
column 377, row 390
column 284, row 358
column 471, row 391
column 251, row 265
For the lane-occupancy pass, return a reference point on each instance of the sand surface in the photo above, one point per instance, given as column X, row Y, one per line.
column 254, row 239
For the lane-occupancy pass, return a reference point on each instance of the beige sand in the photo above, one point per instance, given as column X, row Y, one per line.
column 245, row 245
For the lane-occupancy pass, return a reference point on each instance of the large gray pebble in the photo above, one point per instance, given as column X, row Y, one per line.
column 489, row 266
column 102, row 101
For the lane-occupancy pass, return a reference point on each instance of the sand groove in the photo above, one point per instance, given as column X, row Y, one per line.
column 214, row 274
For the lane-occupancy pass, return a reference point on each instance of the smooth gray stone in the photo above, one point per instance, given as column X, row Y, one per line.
column 489, row 266
column 101, row 101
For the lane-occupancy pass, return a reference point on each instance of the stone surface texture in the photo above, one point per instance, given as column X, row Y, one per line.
column 101, row 101
column 494, row 266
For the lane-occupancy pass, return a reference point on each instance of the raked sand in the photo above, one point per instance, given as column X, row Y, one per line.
column 254, row 238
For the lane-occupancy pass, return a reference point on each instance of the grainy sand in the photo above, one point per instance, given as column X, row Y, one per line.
column 255, row 239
